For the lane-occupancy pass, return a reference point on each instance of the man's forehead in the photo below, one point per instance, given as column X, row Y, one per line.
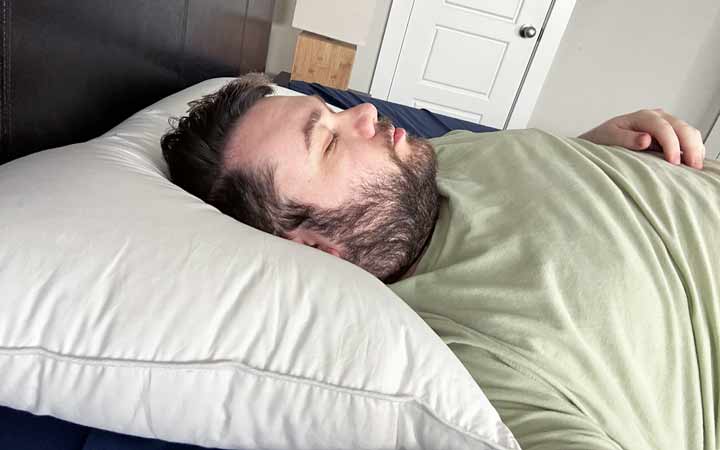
column 289, row 105
column 282, row 111
column 272, row 124
column 301, row 101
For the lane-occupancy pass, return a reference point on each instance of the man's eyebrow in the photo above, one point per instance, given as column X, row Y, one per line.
column 309, row 128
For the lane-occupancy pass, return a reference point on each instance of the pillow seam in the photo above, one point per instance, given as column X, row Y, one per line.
column 39, row 352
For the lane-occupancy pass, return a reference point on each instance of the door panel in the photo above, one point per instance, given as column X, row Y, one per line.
column 476, row 76
column 466, row 56
column 503, row 10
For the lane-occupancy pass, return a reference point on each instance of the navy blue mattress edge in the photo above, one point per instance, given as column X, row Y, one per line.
column 24, row 431
column 416, row 121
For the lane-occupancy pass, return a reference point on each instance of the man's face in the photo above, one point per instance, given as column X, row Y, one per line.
column 370, row 183
column 320, row 157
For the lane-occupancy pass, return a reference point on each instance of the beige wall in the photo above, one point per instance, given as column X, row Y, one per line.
column 283, row 37
column 367, row 55
column 618, row 56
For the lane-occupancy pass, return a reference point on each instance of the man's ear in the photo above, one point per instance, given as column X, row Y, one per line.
column 315, row 240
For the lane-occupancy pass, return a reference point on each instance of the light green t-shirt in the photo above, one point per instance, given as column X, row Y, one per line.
column 578, row 284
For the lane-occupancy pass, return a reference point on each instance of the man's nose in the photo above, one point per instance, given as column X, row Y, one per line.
column 364, row 117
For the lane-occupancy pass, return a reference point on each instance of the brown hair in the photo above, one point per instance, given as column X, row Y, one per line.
column 194, row 149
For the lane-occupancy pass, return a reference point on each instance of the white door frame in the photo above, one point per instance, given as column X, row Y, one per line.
column 712, row 142
column 548, row 41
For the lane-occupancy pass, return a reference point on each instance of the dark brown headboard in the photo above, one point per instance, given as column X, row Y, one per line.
column 73, row 69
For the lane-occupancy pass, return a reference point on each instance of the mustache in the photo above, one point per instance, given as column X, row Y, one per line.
column 385, row 128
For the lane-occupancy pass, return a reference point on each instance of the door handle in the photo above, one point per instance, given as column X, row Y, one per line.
column 527, row 31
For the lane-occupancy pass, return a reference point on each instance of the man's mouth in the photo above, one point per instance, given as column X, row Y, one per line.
column 398, row 133
column 390, row 133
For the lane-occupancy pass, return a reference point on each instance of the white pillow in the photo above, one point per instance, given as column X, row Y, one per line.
column 129, row 305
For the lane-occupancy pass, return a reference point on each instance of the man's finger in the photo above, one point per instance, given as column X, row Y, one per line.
column 643, row 141
column 631, row 139
column 660, row 129
column 690, row 139
column 691, row 145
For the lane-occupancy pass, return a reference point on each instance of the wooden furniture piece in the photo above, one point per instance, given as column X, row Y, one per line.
column 320, row 59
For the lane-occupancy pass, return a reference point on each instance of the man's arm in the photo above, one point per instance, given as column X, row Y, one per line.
column 652, row 129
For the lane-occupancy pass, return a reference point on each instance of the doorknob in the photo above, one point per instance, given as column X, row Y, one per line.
column 528, row 31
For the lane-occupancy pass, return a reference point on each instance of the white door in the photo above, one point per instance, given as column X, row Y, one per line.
column 462, row 58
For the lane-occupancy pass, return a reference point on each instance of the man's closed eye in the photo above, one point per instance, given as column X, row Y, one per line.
column 331, row 146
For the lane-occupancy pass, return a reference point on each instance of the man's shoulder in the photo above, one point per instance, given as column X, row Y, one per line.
column 461, row 137
column 461, row 150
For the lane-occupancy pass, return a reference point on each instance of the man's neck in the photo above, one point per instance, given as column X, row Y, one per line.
column 411, row 271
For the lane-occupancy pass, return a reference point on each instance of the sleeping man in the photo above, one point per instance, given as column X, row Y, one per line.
column 576, row 280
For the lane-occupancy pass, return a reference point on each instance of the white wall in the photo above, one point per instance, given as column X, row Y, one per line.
column 283, row 37
column 367, row 55
column 618, row 56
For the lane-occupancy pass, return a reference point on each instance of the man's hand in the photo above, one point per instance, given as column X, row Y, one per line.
column 652, row 129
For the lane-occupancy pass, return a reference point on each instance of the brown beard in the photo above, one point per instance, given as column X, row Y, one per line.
column 386, row 226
